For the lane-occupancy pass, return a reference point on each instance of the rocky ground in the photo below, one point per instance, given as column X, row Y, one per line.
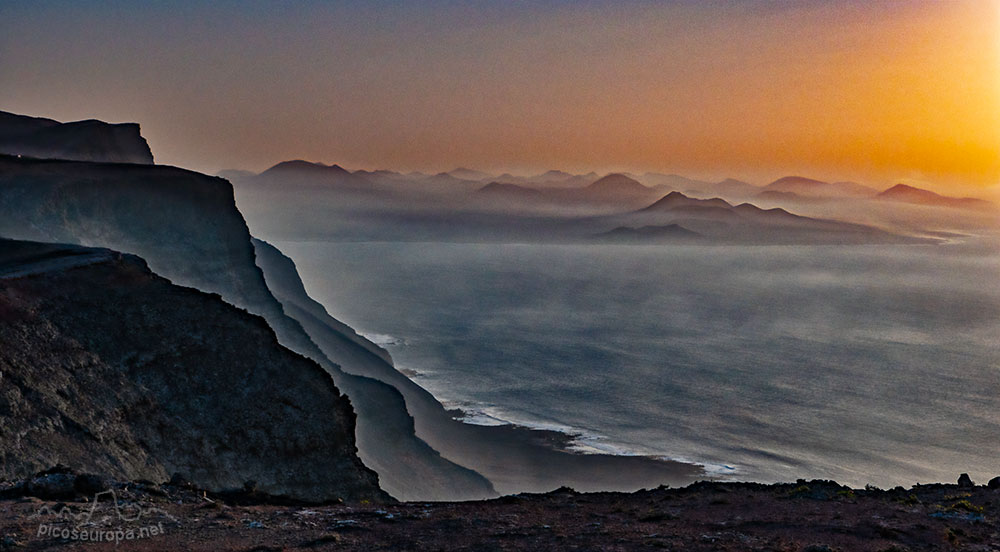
column 55, row 510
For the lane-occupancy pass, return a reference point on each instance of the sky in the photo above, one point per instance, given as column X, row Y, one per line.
column 877, row 92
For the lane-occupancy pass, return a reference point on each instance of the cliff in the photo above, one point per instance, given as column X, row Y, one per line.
column 409, row 469
column 184, row 224
column 111, row 369
column 88, row 140
column 188, row 229
column 284, row 282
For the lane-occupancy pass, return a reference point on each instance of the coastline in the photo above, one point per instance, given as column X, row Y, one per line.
column 466, row 379
column 575, row 440
column 518, row 458
column 513, row 458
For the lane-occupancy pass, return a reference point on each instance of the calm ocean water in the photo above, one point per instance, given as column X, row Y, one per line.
column 875, row 364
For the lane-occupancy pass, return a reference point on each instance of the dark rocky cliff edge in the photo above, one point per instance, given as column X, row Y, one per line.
column 408, row 468
column 187, row 227
column 111, row 369
column 88, row 140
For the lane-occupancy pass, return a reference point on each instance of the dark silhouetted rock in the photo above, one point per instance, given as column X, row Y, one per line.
column 111, row 369
column 89, row 484
column 965, row 481
column 88, row 140
column 994, row 483
column 196, row 237
column 53, row 486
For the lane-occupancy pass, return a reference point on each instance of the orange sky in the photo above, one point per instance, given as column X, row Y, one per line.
column 876, row 92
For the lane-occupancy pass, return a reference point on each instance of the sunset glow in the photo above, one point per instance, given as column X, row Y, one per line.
column 839, row 90
column 471, row 275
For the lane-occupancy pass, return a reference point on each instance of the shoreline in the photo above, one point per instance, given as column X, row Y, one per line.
column 576, row 441
column 559, row 438
column 518, row 458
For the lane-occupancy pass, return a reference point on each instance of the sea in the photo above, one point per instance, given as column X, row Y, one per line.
column 864, row 364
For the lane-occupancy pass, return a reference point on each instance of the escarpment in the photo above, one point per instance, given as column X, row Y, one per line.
column 187, row 227
column 408, row 467
column 89, row 140
column 109, row 368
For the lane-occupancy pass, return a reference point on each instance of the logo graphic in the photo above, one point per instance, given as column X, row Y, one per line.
column 108, row 520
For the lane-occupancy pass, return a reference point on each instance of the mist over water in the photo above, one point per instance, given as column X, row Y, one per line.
column 864, row 364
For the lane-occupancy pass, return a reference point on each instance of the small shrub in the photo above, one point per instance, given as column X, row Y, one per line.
column 967, row 506
column 799, row 491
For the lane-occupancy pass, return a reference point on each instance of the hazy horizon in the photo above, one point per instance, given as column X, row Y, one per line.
column 877, row 93
column 991, row 193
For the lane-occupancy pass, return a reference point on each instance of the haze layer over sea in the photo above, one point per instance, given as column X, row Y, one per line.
column 864, row 364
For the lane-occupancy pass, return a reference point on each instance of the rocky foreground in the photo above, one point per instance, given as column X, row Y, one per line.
column 57, row 510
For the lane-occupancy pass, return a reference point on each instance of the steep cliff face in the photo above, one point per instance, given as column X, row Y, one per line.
column 184, row 224
column 81, row 140
column 285, row 284
column 408, row 468
column 188, row 229
column 110, row 368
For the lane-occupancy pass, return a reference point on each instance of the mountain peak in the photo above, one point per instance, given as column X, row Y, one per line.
column 796, row 180
column 675, row 200
column 555, row 175
column 299, row 173
column 617, row 182
column 817, row 188
column 507, row 189
column 903, row 188
column 912, row 194
column 464, row 173
column 300, row 165
column 734, row 182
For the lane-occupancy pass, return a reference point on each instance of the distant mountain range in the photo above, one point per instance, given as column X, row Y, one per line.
column 303, row 174
column 615, row 186
column 505, row 190
column 677, row 216
column 556, row 187
column 909, row 194
column 562, row 206
column 809, row 187
column 463, row 173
